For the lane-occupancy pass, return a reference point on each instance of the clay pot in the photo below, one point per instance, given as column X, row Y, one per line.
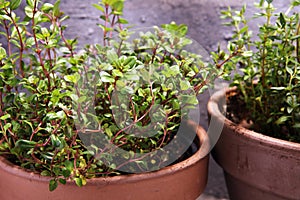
column 185, row 181
column 256, row 167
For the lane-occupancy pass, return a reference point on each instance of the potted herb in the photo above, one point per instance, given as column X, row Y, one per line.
column 114, row 117
column 259, row 146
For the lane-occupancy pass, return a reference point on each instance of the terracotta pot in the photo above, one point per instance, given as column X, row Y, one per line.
column 256, row 167
column 185, row 181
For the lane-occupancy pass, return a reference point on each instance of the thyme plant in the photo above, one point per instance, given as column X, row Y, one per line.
column 269, row 78
column 109, row 109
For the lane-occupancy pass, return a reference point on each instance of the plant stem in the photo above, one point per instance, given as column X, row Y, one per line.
column 105, row 24
column 69, row 46
column 298, row 43
column 38, row 50
column 1, row 104
column 21, row 49
column 7, row 37
column 263, row 73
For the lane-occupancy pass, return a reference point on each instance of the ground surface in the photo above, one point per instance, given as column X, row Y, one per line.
column 202, row 17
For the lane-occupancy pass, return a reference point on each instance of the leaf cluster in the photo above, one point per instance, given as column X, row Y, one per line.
column 269, row 77
column 64, row 112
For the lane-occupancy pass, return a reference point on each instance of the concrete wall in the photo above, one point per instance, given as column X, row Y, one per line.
column 202, row 17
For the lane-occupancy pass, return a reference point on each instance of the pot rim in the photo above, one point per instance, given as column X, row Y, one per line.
column 201, row 155
column 214, row 111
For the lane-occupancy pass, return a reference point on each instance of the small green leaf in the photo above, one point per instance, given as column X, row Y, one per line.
column 289, row 70
column 62, row 181
column 56, row 10
column 69, row 165
column 290, row 110
column 5, row 117
column 66, row 173
column 14, row 4
column 106, row 77
column 72, row 78
column 131, row 76
column 185, row 85
column 6, row 126
column 4, row 4
column 45, row 173
column 112, row 55
column 244, row 29
column 247, row 53
column 98, row 7
column 53, row 185
column 25, row 144
column 278, row 88
column 45, row 32
column 282, row 119
column 78, row 181
column 28, row 12
column 282, row 20
column 2, row 53
column 297, row 125
column 296, row 3
column 46, row 7
column 122, row 21
column 295, row 37
column 30, row 3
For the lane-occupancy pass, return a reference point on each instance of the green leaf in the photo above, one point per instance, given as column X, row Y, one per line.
column 98, row 7
column 23, row 144
column 122, row 21
column 28, row 12
column 66, row 173
column 177, row 30
column 46, row 7
column 278, row 88
column 106, row 77
column 72, row 78
column 289, row 70
column 2, row 53
column 45, row 32
column 62, row 181
column 55, row 141
column 14, row 4
column 45, row 173
column 5, row 117
column 282, row 119
column 30, row 3
column 56, row 10
column 185, row 85
column 112, row 55
column 78, row 181
column 132, row 76
column 117, row 7
column 244, row 29
column 53, row 185
column 6, row 126
column 297, row 125
column 282, row 20
column 4, row 4
column 69, row 165
column 247, row 53
column 296, row 3
column 295, row 37
column 290, row 110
